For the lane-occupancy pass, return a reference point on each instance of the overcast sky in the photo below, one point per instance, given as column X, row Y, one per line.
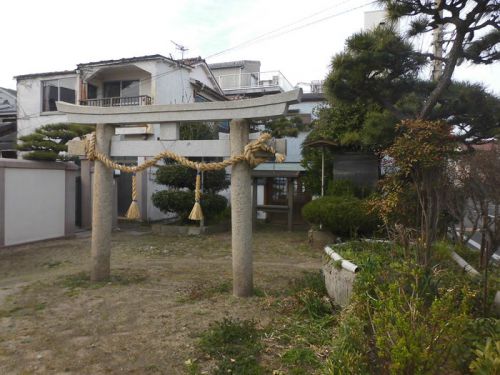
column 50, row 35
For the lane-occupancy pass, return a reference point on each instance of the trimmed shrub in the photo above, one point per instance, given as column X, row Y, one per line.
column 345, row 216
column 178, row 176
column 347, row 188
column 181, row 202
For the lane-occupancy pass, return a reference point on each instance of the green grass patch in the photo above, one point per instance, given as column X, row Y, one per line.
column 234, row 345
column 300, row 360
column 74, row 283
column 204, row 290
column 207, row 290
column 30, row 308
column 52, row 264
column 304, row 324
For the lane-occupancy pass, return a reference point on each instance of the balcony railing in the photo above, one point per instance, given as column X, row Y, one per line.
column 257, row 80
column 118, row 101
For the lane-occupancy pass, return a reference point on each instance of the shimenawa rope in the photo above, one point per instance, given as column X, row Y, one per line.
column 249, row 156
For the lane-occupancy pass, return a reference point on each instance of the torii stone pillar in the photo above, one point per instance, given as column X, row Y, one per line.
column 241, row 199
column 241, row 212
column 102, row 208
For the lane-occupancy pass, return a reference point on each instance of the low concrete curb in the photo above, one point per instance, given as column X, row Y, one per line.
column 339, row 277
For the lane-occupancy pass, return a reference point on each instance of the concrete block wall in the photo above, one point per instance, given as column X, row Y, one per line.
column 37, row 201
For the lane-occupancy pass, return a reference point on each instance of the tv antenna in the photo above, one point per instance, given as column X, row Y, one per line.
column 181, row 48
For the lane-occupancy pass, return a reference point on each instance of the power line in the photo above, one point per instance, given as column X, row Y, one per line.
column 273, row 34
column 262, row 37
column 278, row 29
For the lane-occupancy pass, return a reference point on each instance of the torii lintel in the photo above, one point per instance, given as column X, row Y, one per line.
column 264, row 107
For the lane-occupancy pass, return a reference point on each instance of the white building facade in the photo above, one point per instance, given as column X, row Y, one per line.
column 130, row 81
column 137, row 81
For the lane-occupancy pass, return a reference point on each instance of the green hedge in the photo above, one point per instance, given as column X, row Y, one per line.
column 344, row 216
column 181, row 203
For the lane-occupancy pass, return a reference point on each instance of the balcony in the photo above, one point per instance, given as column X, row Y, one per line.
column 258, row 82
column 121, row 101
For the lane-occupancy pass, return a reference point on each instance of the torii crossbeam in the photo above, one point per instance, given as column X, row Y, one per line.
column 238, row 111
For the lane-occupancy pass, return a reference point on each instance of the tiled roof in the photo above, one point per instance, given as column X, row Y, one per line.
column 101, row 62
column 231, row 64
column 10, row 91
column 33, row 75
column 128, row 60
column 312, row 97
column 192, row 60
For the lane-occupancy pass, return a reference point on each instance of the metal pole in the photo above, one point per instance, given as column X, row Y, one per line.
column 241, row 212
column 322, row 171
column 437, row 67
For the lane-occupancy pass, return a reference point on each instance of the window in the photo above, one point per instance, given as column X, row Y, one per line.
column 57, row 90
column 279, row 192
column 199, row 98
column 117, row 89
column 91, row 91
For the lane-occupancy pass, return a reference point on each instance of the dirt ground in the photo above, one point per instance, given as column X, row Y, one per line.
column 165, row 291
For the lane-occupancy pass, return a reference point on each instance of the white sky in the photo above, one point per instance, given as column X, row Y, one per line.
column 50, row 35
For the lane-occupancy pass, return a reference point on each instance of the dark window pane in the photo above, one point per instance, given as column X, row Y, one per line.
column 112, row 89
column 279, row 193
column 91, row 91
column 130, row 88
column 50, row 96
column 200, row 99
column 67, row 95
column 67, row 91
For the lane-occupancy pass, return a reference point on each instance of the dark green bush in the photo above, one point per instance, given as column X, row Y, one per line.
column 181, row 202
column 178, row 176
column 347, row 188
column 345, row 216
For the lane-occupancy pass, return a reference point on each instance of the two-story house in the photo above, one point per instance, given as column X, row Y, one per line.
column 140, row 80
column 136, row 81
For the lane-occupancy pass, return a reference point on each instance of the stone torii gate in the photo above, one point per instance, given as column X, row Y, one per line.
column 239, row 112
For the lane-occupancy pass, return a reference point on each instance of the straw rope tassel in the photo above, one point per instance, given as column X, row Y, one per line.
column 249, row 156
column 196, row 212
column 133, row 212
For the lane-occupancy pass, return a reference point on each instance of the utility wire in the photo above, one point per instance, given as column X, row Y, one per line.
column 262, row 37
column 276, row 30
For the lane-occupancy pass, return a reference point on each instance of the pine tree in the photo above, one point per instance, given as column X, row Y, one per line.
column 49, row 142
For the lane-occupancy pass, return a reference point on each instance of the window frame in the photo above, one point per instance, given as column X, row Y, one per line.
column 121, row 87
column 42, row 92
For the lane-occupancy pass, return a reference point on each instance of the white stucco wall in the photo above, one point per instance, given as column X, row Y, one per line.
column 172, row 85
column 153, row 212
column 199, row 73
column 34, row 204
column 306, row 107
